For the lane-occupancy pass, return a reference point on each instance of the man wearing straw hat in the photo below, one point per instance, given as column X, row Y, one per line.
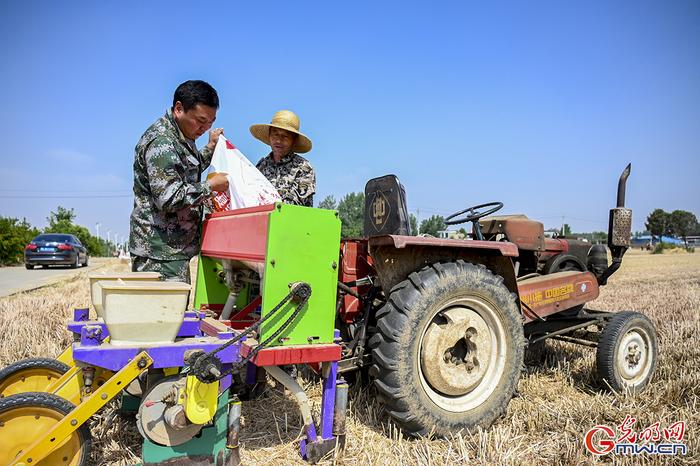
column 290, row 173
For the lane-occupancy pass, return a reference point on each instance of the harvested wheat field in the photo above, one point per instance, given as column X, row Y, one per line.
column 555, row 406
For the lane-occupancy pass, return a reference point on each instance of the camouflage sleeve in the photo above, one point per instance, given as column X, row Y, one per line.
column 306, row 185
column 205, row 155
column 169, row 187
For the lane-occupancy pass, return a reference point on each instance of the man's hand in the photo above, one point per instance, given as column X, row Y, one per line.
column 218, row 182
column 214, row 137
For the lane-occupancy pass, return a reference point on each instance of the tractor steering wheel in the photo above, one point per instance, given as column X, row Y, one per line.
column 474, row 215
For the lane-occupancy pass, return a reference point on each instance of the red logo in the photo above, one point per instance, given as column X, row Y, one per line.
column 603, row 446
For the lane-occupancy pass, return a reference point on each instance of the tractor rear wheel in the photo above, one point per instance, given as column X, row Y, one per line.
column 30, row 375
column 448, row 350
column 25, row 417
column 627, row 352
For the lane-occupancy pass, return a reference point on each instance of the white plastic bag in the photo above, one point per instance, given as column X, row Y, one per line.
column 247, row 186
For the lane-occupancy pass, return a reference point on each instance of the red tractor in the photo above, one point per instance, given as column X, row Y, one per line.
column 442, row 325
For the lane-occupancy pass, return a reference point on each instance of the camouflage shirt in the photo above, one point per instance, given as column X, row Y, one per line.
column 293, row 177
column 168, row 193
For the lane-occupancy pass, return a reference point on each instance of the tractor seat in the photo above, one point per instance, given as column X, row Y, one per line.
column 525, row 233
column 385, row 207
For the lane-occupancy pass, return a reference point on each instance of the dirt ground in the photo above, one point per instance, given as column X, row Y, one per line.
column 556, row 403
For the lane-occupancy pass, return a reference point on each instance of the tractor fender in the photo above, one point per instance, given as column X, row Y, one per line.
column 395, row 257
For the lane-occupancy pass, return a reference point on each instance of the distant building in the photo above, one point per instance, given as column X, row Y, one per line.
column 649, row 241
column 450, row 234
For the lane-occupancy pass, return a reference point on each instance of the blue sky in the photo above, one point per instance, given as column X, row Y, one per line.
column 539, row 105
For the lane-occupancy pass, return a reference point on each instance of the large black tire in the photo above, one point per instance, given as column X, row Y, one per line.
column 29, row 267
column 30, row 375
column 76, row 264
column 26, row 409
column 448, row 351
column 627, row 352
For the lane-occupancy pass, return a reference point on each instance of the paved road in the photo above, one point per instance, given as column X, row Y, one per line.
column 14, row 279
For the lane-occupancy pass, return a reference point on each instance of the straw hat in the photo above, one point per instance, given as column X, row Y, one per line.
column 287, row 120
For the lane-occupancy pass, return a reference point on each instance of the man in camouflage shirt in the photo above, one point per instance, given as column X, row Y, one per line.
column 168, row 193
column 290, row 173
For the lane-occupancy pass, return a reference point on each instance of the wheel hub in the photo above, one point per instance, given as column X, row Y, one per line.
column 632, row 356
column 457, row 347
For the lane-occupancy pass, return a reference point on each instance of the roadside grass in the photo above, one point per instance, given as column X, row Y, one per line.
column 556, row 403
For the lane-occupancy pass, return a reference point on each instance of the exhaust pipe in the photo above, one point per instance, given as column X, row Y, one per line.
column 622, row 185
column 619, row 228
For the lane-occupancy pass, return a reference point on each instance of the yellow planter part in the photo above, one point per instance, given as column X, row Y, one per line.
column 200, row 400
column 67, row 356
column 168, row 371
column 68, row 386
column 46, row 441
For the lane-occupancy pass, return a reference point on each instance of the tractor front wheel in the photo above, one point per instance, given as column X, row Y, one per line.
column 26, row 417
column 627, row 352
column 448, row 351
column 30, row 375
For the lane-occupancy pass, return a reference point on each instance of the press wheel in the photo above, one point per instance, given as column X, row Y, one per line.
column 30, row 375
column 25, row 417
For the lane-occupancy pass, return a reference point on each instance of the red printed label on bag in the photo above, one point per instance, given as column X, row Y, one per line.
column 222, row 202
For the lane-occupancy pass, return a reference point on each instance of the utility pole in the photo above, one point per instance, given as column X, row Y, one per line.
column 97, row 230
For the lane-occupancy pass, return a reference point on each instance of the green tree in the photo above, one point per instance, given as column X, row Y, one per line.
column 682, row 224
column 599, row 237
column 14, row 236
column 328, row 203
column 61, row 221
column 431, row 226
column 565, row 230
column 351, row 210
column 413, row 221
column 62, row 216
column 658, row 223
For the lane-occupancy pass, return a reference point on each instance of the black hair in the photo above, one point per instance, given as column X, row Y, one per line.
column 193, row 92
